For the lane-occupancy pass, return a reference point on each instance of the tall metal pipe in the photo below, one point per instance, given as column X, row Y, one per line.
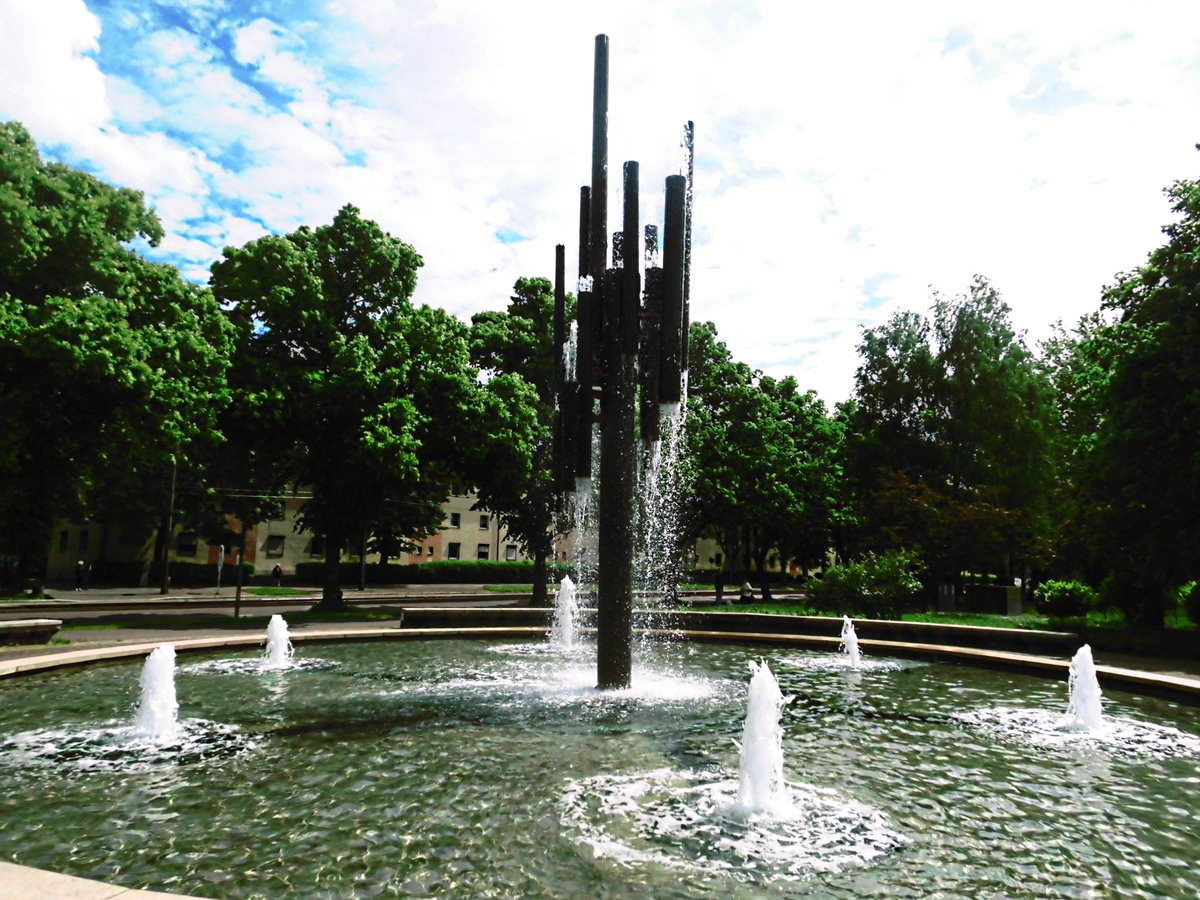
column 672, row 313
column 585, row 341
column 598, row 233
column 631, row 282
column 689, row 146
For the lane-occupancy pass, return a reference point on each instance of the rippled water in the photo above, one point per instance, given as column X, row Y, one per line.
column 472, row 769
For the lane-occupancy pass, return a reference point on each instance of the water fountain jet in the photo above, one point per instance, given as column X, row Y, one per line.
column 1083, row 708
column 279, row 650
column 566, row 614
column 158, row 709
column 849, row 645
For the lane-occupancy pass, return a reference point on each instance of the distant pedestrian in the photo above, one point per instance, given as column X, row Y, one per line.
column 747, row 593
column 719, row 586
column 277, row 574
column 81, row 569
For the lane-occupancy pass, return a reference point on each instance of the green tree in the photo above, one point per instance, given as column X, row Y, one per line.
column 1144, row 477
column 950, row 437
column 762, row 455
column 519, row 343
column 110, row 365
column 375, row 399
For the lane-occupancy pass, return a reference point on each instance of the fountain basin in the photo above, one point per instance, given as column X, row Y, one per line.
column 407, row 769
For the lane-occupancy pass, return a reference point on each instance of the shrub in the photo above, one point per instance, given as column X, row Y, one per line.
column 1189, row 598
column 1065, row 599
column 877, row 585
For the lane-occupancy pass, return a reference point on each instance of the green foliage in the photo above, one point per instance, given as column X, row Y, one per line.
column 1189, row 600
column 516, row 349
column 877, row 586
column 367, row 399
column 948, row 439
column 1139, row 384
column 110, row 365
column 1063, row 599
column 761, row 459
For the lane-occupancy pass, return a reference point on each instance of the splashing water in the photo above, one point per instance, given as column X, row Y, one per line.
column 849, row 645
column 279, row 645
column 656, row 559
column 158, row 710
column 1083, row 709
column 761, row 787
column 566, row 612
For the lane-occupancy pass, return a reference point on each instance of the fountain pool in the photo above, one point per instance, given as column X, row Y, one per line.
column 469, row 768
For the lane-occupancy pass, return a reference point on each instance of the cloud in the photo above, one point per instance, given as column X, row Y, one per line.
column 848, row 158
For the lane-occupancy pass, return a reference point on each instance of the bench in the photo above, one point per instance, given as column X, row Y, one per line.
column 28, row 631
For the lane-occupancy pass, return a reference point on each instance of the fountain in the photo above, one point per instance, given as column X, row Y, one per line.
column 521, row 778
column 158, row 710
column 630, row 352
column 1083, row 707
column 279, row 651
column 566, row 614
column 761, row 787
column 849, row 645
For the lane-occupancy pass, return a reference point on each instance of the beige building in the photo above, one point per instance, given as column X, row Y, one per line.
column 466, row 534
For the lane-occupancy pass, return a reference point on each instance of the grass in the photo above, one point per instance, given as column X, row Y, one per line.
column 277, row 592
column 511, row 588
column 136, row 620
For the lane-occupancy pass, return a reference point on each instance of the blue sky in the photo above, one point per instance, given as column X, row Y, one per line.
column 850, row 157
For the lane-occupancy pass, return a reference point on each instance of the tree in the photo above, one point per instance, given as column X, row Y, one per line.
column 1144, row 478
column 110, row 365
column 519, row 343
column 374, row 398
column 762, row 456
column 949, row 437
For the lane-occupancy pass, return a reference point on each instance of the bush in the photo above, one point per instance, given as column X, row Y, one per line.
column 1189, row 598
column 1065, row 599
column 878, row 586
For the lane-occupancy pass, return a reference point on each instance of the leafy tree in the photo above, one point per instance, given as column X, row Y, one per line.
column 519, row 343
column 763, row 461
column 110, row 365
column 372, row 400
column 949, row 437
column 1144, row 477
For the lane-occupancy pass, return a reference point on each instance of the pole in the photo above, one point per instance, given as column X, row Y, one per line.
column 165, row 583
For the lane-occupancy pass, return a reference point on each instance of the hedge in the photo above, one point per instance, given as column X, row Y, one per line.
column 450, row 571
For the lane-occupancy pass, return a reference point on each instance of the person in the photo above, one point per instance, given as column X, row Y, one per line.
column 719, row 585
column 277, row 574
column 747, row 593
column 81, row 575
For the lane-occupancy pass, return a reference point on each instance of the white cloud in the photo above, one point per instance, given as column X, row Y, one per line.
column 1024, row 141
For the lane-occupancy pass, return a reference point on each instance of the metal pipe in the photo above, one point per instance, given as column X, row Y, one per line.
column 672, row 315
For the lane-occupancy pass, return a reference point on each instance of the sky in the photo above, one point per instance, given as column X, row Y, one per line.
column 851, row 158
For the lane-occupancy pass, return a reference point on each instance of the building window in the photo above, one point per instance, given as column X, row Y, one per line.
column 186, row 545
column 429, row 551
column 484, row 522
column 316, row 547
column 83, row 540
column 455, row 520
column 510, row 552
column 452, row 550
column 63, row 537
column 481, row 551
column 275, row 545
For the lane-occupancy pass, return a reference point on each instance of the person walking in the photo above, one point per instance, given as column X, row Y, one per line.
column 81, row 568
column 277, row 574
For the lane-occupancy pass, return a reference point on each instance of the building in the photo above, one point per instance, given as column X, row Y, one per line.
column 466, row 534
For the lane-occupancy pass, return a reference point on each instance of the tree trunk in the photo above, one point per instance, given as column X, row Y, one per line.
column 541, row 596
column 331, row 589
